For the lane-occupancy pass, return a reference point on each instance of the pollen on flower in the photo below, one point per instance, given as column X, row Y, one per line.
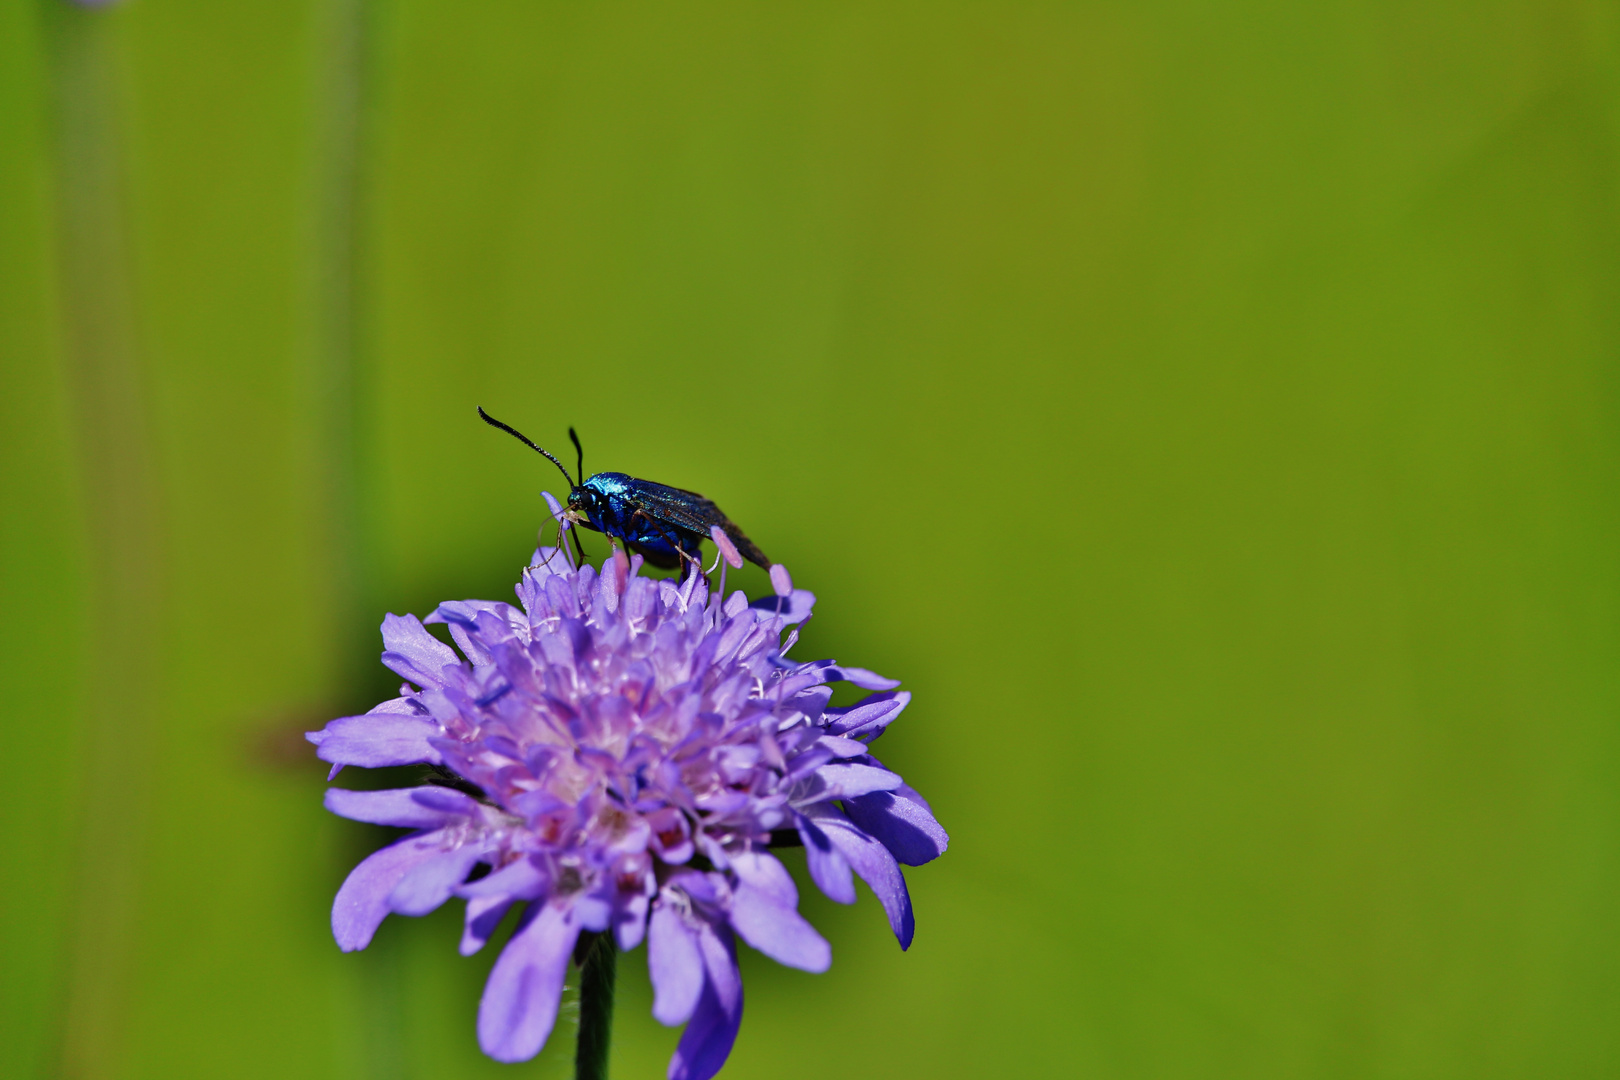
column 640, row 745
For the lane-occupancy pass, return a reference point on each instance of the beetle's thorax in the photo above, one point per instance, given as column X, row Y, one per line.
column 606, row 485
column 599, row 499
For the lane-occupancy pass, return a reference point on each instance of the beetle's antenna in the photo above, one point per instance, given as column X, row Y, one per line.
column 524, row 439
column 581, row 450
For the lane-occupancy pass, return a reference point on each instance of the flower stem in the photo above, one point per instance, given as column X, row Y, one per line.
column 596, row 977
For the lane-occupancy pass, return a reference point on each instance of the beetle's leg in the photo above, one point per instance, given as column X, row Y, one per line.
column 556, row 547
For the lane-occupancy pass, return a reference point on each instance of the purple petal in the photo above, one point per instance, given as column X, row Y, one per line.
column 593, row 910
column 845, row 781
column 519, row 1005
column 709, row 1035
column 780, row 934
column 806, row 762
column 872, row 861
column 674, row 963
column 827, row 868
column 763, row 912
column 461, row 616
column 794, row 608
column 464, row 612
column 490, row 896
column 870, row 716
column 440, row 706
column 406, row 703
column 630, row 920
column 765, row 873
column 471, row 646
column 413, row 653
column 556, row 513
column 844, row 748
column 362, row 902
column 484, row 914
column 430, row 883
column 615, row 572
column 826, row 671
column 377, row 740
column 866, row 680
column 519, row 880
column 902, row 822
column 402, row 808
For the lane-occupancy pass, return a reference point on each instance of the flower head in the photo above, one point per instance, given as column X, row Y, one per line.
column 621, row 754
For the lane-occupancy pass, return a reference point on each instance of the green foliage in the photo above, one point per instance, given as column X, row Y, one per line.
column 1210, row 412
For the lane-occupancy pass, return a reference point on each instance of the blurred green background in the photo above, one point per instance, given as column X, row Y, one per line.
column 1211, row 411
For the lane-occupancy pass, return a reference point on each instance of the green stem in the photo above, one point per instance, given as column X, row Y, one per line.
column 596, row 977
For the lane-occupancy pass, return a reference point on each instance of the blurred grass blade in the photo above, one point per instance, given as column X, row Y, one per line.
column 109, row 394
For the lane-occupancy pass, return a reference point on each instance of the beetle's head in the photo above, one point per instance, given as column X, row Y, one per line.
column 582, row 501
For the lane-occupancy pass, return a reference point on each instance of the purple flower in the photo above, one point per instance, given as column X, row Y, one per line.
column 638, row 746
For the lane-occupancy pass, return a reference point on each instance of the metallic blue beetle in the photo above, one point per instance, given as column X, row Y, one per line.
column 666, row 525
